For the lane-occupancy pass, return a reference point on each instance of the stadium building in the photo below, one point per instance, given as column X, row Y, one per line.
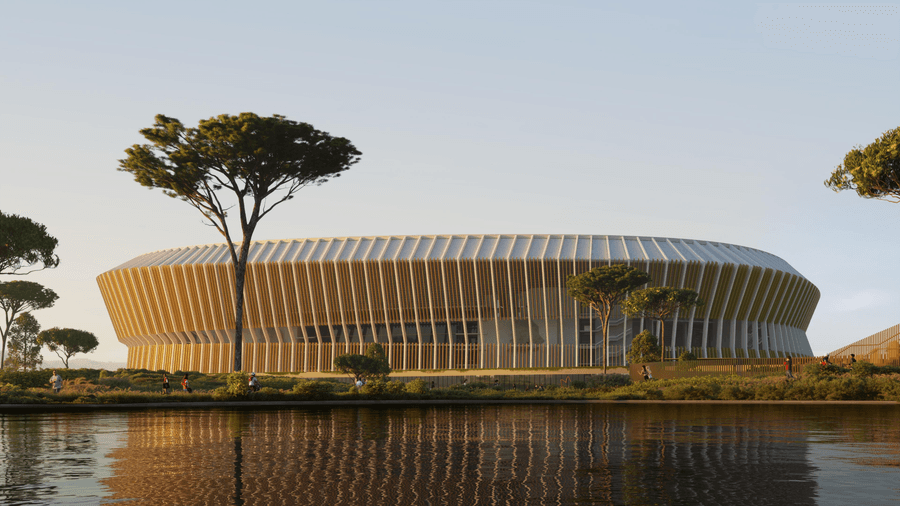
column 439, row 302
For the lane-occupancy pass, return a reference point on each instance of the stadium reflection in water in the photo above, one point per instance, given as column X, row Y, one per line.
column 510, row 454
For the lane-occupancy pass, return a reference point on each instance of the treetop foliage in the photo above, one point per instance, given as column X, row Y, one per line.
column 25, row 244
column 249, row 155
column 660, row 302
column 68, row 342
column 18, row 296
column 603, row 286
column 374, row 364
column 872, row 171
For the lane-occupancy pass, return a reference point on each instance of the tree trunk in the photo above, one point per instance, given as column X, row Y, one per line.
column 662, row 338
column 9, row 320
column 239, row 274
column 604, row 321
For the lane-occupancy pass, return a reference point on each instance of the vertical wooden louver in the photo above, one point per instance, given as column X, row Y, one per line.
column 475, row 301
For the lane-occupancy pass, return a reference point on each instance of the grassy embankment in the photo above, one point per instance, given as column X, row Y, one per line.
column 91, row 386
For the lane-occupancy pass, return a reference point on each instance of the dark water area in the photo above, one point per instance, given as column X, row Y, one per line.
column 636, row 454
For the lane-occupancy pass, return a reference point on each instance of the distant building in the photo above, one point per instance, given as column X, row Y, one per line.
column 881, row 348
column 438, row 302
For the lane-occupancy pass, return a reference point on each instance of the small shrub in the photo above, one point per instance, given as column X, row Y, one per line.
column 470, row 386
column 692, row 392
column 121, row 383
column 862, row 369
column 29, row 379
column 267, row 394
column 277, row 382
column 417, row 387
column 770, row 392
column 313, row 390
column 644, row 348
column 653, row 394
column 383, row 388
column 735, row 393
column 236, row 384
column 687, row 357
column 82, row 386
column 611, row 380
column 819, row 370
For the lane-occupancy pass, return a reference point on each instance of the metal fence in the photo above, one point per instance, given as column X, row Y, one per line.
column 746, row 367
column 501, row 381
column 315, row 357
column 881, row 348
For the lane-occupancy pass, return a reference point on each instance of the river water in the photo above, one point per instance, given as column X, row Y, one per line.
column 578, row 454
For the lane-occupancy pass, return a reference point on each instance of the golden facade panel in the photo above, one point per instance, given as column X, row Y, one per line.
column 444, row 301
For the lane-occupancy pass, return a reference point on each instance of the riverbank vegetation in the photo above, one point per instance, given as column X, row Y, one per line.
column 864, row 382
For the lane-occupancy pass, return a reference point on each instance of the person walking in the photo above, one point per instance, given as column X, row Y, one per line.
column 165, row 384
column 185, row 385
column 645, row 372
column 788, row 367
column 852, row 359
column 56, row 381
column 253, row 383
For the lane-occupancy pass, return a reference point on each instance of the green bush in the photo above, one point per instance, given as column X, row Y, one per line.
column 221, row 394
column 314, row 390
column 383, row 388
column 417, row 387
column 470, row 386
column 236, row 384
column 29, row 379
column 121, row 383
column 862, row 369
column 687, row 357
column 610, row 381
column 644, row 348
column 692, row 392
column 820, row 371
column 268, row 394
column 277, row 382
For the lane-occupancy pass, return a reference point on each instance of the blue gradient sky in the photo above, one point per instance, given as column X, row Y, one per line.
column 690, row 120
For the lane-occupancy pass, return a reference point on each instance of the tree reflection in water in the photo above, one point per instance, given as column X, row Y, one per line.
column 54, row 455
column 510, row 454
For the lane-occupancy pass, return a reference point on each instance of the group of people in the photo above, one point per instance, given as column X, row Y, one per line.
column 185, row 384
column 253, row 384
column 789, row 364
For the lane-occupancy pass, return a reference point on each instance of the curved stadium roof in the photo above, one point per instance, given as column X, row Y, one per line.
column 610, row 248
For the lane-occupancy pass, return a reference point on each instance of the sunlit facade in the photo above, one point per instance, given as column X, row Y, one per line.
column 881, row 348
column 437, row 302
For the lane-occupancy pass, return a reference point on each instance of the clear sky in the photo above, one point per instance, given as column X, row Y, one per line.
column 716, row 121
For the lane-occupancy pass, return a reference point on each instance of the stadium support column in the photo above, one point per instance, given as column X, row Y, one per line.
column 495, row 303
column 690, row 329
column 447, row 305
column 721, row 325
column 709, row 305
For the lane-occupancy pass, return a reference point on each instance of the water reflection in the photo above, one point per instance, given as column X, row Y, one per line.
column 60, row 456
column 543, row 454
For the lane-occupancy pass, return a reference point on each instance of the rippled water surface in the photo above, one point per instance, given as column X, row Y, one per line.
column 512, row 454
